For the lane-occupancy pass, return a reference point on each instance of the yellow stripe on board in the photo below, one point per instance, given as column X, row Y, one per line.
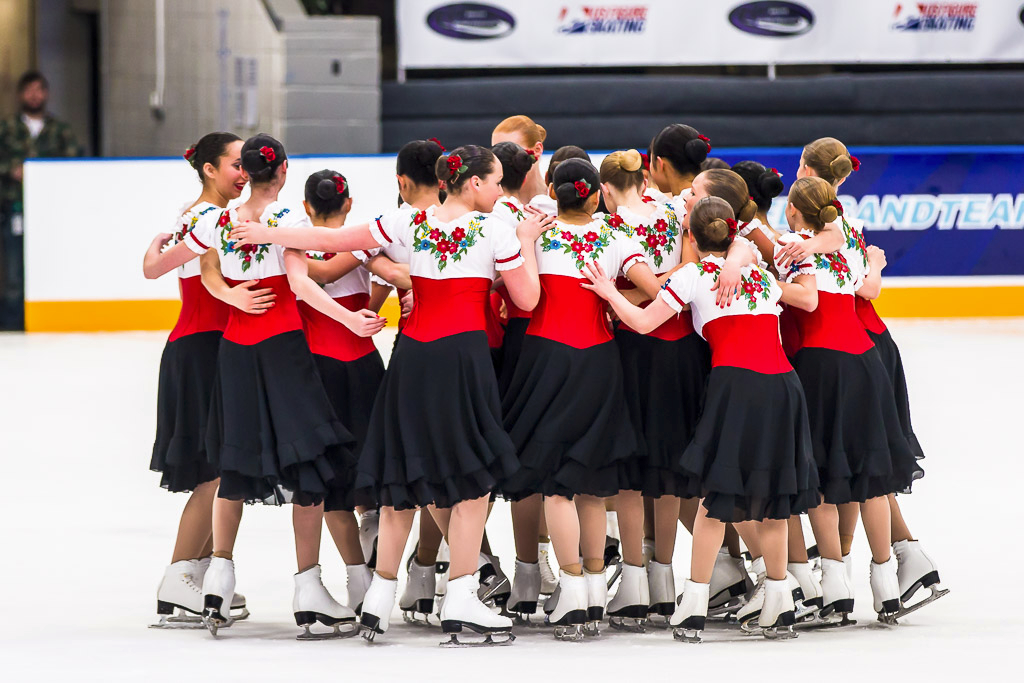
column 895, row 302
column 119, row 316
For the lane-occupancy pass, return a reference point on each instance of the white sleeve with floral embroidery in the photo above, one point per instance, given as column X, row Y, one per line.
column 759, row 292
column 256, row 261
column 508, row 210
column 473, row 245
column 658, row 235
column 565, row 248
column 195, row 228
column 840, row 272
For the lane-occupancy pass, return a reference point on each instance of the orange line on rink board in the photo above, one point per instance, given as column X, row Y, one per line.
column 950, row 302
column 118, row 316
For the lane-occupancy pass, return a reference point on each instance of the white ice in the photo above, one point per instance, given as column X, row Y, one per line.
column 87, row 532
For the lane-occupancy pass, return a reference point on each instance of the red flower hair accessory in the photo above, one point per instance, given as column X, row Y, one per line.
column 707, row 141
column 533, row 155
column 436, row 142
column 267, row 153
column 582, row 188
column 856, row 162
column 733, row 228
column 776, row 171
column 839, row 207
column 645, row 160
column 339, row 183
column 455, row 166
column 189, row 153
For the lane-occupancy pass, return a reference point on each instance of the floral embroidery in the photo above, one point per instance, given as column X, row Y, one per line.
column 516, row 211
column 657, row 240
column 835, row 263
column 855, row 241
column 442, row 245
column 180, row 235
column 581, row 247
column 320, row 256
column 755, row 285
column 710, row 268
column 247, row 252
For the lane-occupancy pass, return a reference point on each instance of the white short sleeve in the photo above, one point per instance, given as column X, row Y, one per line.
column 507, row 250
column 203, row 235
column 627, row 253
column 365, row 255
column 394, row 227
column 743, row 241
column 805, row 267
column 681, row 287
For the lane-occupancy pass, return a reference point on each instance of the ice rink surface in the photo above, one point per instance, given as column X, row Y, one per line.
column 87, row 532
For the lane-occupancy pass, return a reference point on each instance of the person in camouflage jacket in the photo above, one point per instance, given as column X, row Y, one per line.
column 32, row 132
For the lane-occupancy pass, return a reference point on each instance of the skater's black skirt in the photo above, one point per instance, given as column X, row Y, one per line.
column 188, row 369
column 893, row 363
column 751, row 455
column 351, row 388
column 859, row 445
column 567, row 417
column 664, row 385
column 272, row 431
column 511, row 347
column 435, row 434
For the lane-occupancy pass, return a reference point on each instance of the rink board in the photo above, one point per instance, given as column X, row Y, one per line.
column 951, row 220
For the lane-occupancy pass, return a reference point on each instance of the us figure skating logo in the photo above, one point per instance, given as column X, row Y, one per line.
column 603, row 19
column 936, row 16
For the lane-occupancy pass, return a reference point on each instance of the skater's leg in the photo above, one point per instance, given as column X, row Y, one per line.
column 395, row 526
column 485, row 543
column 825, row 526
column 877, row 526
column 196, row 523
column 227, row 515
column 688, row 512
column 732, row 540
column 307, row 523
column 771, row 534
column 849, row 514
column 345, row 531
column 750, row 533
column 208, row 546
column 708, row 534
column 465, row 532
column 666, row 516
column 430, row 538
column 900, row 530
column 526, row 514
column 797, row 544
column 592, row 531
column 629, row 508
column 564, row 525
column 649, row 527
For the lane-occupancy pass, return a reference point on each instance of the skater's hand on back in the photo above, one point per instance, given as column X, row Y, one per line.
column 250, row 232
column 790, row 253
column 727, row 286
column 600, row 283
column 252, row 301
column 366, row 323
column 536, row 224
column 407, row 302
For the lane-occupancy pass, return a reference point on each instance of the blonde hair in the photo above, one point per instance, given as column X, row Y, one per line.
column 730, row 186
column 815, row 199
column 623, row 170
column 531, row 131
column 829, row 159
column 710, row 224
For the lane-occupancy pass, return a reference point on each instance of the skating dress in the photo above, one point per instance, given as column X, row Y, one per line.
column 565, row 408
column 188, row 367
column 859, row 444
column 435, row 433
column 510, row 210
column 750, row 457
column 273, row 432
column 350, row 366
column 664, row 371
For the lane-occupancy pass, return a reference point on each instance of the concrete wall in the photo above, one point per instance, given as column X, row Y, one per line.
column 301, row 97
column 64, row 55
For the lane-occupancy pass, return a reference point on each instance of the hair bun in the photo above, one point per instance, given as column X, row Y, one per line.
column 631, row 161
column 697, row 150
column 326, row 189
column 827, row 214
column 254, row 159
column 747, row 211
column 841, row 166
column 770, row 185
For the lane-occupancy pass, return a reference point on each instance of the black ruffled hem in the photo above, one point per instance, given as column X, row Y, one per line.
column 892, row 361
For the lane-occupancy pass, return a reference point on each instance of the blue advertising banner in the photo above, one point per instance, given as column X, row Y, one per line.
column 936, row 211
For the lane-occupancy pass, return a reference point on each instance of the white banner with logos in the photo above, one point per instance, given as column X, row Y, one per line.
column 548, row 33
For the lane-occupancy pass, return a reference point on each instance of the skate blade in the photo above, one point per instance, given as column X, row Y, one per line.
column 614, row 572
column 592, row 629
column 241, row 615
column 414, row 618
column 658, row 621
column 687, row 635
column 490, row 640
column 629, row 624
column 572, row 633
column 214, row 623
column 728, row 610
column 780, row 633
column 936, row 594
column 493, row 592
column 351, row 629
column 182, row 620
column 749, row 625
column 832, row 620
